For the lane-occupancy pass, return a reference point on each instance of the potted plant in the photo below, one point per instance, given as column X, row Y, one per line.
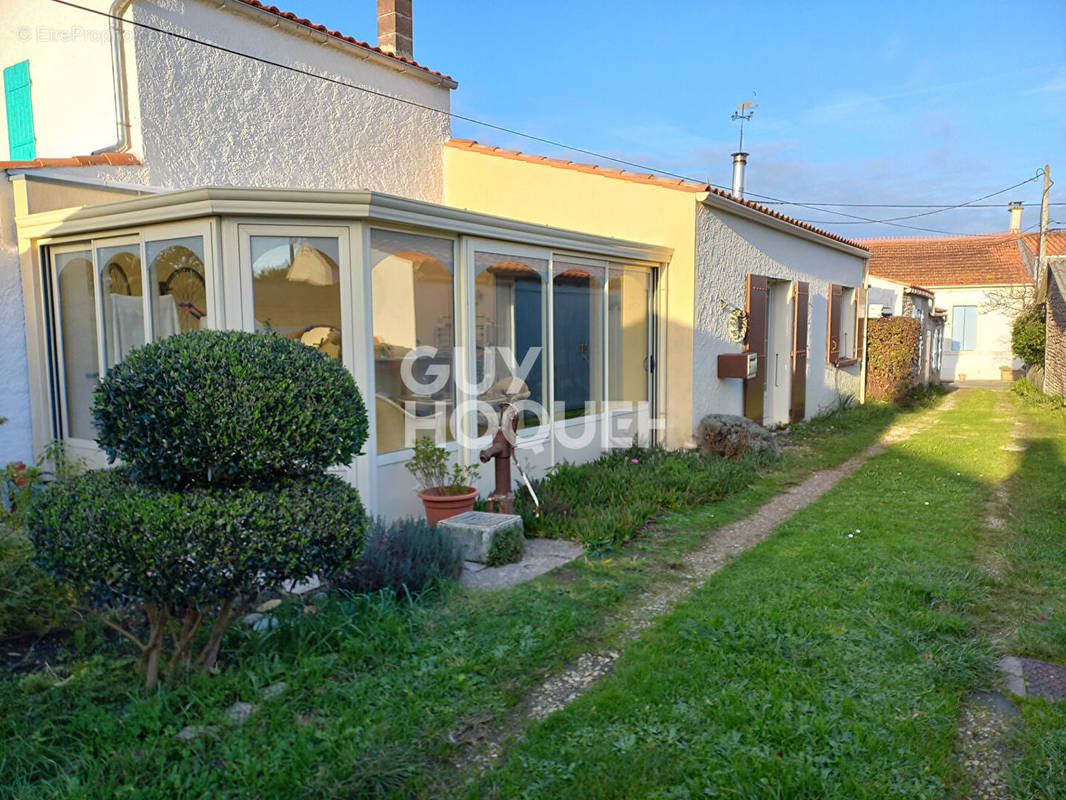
column 444, row 493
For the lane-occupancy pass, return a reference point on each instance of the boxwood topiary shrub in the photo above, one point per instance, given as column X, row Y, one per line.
column 210, row 407
column 224, row 438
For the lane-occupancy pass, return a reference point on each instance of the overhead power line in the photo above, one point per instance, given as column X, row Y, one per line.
column 532, row 137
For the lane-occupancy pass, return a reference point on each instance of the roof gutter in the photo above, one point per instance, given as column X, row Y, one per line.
column 118, row 70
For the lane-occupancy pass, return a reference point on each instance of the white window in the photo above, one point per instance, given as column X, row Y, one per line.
column 101, row 310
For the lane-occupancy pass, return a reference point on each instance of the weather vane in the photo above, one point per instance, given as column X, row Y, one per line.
column 745, row 111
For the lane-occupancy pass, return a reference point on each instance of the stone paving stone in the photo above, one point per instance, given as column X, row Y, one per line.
column 1044, row 678
column 542, row 555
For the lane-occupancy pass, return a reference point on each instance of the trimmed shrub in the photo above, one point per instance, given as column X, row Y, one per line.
column 225, row 438
column 1028, row 334
column 213, row 407
column 185, row 552
column 891, row 357
column 409, row 554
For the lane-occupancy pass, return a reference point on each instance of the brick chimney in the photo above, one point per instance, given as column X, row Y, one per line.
column 1015, row 209
column 394, row 28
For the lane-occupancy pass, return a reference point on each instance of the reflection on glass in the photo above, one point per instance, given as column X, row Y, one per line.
column 178, row 285
column 296, row 289
column 627, row 335
column 77, row 324
column 412, row 307
column 120, row 285
column 577, row 357
column 509, row 328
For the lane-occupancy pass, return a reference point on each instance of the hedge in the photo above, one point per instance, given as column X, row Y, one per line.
column 891, row 357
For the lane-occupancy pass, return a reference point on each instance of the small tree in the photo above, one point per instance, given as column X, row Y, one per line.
column 224, row 439
column 1028, row 333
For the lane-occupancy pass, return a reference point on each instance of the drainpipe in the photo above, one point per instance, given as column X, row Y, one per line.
column 118, row 69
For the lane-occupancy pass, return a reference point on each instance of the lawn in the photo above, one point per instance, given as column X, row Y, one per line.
column 826, row 662
column 374, row 685
column 1027, row 609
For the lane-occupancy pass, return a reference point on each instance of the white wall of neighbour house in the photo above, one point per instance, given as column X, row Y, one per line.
column 884, row 295
column 993, row 337
column 70, row 72
column 728, row 248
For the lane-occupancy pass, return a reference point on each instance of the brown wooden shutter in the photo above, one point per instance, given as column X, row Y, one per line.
column 755, row 388
column 860, row 322
column 836, row 293
column 798, row 409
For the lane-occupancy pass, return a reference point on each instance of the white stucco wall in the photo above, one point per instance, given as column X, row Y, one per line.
column 884, row 295
column 211, row 118
column 70, row 74
column 728, row 248
column 993, row 337
column 16, row 438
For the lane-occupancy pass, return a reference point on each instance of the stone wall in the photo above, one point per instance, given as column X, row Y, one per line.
column 1055, row 354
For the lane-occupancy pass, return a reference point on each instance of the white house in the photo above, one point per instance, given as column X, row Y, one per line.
column 979, row 280
column 236, row 194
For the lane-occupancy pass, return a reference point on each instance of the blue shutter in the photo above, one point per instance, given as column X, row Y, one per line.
column 969, row 339
column 21, row 142
column 964, row 328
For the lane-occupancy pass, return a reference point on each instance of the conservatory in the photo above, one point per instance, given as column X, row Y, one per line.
column 439, row 313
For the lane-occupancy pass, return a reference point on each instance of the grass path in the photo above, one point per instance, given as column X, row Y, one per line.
column 695, row 566
column 828, row 661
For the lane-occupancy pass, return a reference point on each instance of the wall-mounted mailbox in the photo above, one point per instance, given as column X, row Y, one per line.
column 738, row 365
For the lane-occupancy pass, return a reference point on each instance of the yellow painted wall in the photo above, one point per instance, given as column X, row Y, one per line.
column 604, row 206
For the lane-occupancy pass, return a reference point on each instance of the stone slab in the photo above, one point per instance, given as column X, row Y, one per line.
column 541, row 556
column 474, row 531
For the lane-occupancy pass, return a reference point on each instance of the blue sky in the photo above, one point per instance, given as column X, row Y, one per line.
column 890, row 102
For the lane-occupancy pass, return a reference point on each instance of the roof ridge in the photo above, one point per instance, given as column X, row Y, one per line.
column 272, row 9
column 681, row 184
column 941, row 237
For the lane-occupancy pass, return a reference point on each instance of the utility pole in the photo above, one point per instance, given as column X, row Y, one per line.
column 1041, row 265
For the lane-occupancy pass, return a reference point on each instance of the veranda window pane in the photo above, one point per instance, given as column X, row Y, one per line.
column 627, row 335
column 77, row 329
column 509, row 332
column 296, row 289
column 412, row 308
column 179, row 285
column 121, row 287
column 577, row 357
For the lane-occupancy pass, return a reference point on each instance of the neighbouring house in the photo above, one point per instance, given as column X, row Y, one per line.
column 234, row 194
column 982, row 281
column 798, row 287
column 887, row 298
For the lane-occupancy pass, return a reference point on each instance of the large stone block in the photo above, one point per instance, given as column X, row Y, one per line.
column 475, row 531
column 731, row 436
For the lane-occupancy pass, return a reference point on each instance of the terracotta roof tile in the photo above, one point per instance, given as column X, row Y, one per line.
column 679, row 184
column 338, row 35
column 976, row 260
column 101, row 159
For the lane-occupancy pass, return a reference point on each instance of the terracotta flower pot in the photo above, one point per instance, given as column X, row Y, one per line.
column 441, row 506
